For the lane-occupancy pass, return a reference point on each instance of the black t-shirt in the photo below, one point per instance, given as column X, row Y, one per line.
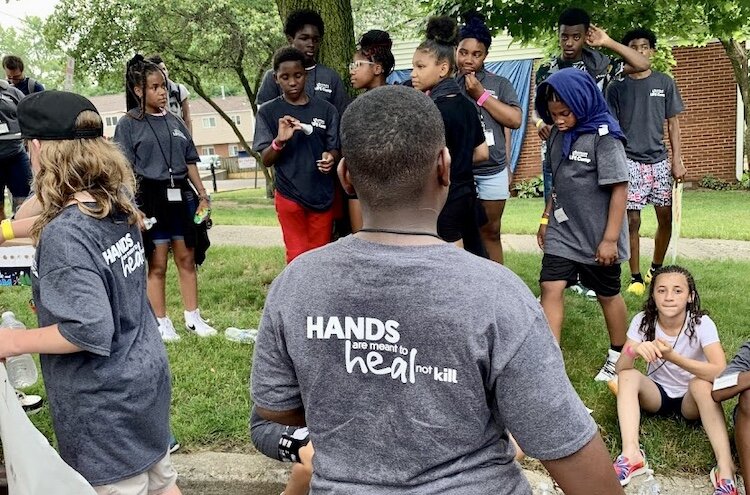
column 463, row 133
column 297, row 174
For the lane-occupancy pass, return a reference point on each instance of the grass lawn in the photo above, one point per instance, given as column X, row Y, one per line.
column 210, row 396
column 706, row 214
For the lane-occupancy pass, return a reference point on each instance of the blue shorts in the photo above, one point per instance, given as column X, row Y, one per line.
column 493, row 187
column 175, row 231
column 15, row 173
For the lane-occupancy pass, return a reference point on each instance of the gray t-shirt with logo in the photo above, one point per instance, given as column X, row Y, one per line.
column 110, row 402
column 412, row 363
column 322, row 82
column 154, row 141
column 641, row 106
column 582, row 185
column 500, row 88
column 740, row 362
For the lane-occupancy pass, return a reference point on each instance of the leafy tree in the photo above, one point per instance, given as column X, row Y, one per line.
column 694, row 22
column 205, row 43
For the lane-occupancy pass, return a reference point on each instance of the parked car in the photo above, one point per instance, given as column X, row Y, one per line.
column 205, row 162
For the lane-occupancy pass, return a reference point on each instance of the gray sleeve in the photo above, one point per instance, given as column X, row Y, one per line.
column 123, row 138
column 268, row 89
column 274, row 383
column 612, row 100
column 535, row 399
column 83, row 315
column 265, row 435
column 263, row 132
column 611, row 163
column 740, row 362
column 507, row 94
column 674, row 100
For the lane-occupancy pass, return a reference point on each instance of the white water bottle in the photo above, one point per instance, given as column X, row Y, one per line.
column 21, row 369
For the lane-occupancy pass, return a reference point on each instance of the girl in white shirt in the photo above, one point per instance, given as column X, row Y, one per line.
column 681, row 346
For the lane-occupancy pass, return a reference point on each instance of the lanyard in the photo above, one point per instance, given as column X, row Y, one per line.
column 168, row 161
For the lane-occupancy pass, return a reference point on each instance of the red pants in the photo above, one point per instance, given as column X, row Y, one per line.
column 303, row 229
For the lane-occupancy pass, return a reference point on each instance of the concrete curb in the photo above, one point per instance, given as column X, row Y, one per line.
column 217, row 473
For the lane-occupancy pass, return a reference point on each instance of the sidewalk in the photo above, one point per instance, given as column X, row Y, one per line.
column 215, row 473
column 702, row 249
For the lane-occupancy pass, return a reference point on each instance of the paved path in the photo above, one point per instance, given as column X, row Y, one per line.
column 245, row 235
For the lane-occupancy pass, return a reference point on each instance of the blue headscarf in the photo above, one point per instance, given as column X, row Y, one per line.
column 579, row 91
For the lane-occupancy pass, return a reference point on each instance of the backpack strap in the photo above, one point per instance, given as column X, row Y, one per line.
column 5, row 89
column 32, row 85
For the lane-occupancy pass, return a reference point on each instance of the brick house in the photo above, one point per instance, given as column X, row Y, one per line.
column 711, row 124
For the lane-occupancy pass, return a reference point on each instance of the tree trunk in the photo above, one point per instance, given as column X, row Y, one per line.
column 738, row 55
column 337, row 48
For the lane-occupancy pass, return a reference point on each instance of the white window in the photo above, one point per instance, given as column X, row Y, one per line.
column 111, row 121
column 234, row 149
column 236, row 119
column 209, row 122
column 208, row 150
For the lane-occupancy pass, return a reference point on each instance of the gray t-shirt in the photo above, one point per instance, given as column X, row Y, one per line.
column 322, row 82
column 641, row 106
column 740, row 362
column 9, row 98
column 412, row 362
column 582, row 185
column 110, row 402
column 500, row 88
column 153, row 141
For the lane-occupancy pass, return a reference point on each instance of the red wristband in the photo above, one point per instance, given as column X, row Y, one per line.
column 483, row 98
column 275, row 146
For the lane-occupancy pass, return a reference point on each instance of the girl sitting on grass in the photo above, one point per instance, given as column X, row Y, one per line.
column 681, row 346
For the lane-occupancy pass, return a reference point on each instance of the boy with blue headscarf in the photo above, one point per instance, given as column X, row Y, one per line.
column 583, row 231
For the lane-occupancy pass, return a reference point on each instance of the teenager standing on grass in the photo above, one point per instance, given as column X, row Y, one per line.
column 582, row 230
column 499, row 111
column 105, row 368
column 163, row 156
column 681, row 345
column 378, row 427
column 434, row 62
column 373, row 62
column 642, row 101
column 302, row 157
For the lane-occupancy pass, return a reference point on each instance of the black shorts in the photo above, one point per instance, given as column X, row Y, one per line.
column 670, row 406
column 458, row 218
column 15, row 172
column 604, row 280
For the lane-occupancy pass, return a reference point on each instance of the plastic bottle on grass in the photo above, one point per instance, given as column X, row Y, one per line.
column 21, row 369
column 241, row 335
column 545, row 489
column 650, row 486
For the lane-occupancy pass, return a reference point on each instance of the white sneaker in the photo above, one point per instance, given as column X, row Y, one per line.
column 195, row 323
column 167, row 330
column 607, row 372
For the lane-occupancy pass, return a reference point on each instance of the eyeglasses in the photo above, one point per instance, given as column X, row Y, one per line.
column 354, row 66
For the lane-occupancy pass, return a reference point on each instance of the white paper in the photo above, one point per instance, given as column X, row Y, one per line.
column 560, row 215
column 726, row 381
column 489, row 137
column 4, row 128
column 174, row 195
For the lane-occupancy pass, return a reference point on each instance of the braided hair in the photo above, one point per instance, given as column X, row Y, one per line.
column 651, row 312
column 442, row 38
column 136, row 74
column 375, row 45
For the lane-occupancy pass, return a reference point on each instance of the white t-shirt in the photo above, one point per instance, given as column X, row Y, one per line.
column 673, row 379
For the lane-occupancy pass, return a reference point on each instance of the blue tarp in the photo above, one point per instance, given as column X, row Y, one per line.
column 518, row 72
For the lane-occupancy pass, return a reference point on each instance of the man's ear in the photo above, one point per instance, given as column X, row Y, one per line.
column 444, row 167
column 343, row 172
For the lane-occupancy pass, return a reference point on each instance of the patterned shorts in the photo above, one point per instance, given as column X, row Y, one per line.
column 649, row 183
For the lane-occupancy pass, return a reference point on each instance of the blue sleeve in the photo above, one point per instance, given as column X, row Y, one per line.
column 268, row 89
column 264, row 133
column 612, row 100
column 332, row 132
column 38, row 87
column 674, row 100
column 340, row 98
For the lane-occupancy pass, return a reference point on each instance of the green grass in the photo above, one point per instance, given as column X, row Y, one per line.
column 210, row 403
column 706, row 214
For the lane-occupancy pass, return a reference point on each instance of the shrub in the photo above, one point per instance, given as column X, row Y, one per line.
column 531, row 188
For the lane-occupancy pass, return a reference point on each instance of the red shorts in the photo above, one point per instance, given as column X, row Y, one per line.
column 303, row 229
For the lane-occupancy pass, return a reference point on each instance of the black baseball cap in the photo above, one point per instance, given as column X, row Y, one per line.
column 51, row 115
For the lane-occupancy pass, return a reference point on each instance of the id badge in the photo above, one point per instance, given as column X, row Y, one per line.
column 489, row 137
column 174, row 195
column 4, row 128
column 560, row 215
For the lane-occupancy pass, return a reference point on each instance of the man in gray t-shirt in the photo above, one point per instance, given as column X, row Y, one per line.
column 409, row 360
column 739, row 365
column 642, row 101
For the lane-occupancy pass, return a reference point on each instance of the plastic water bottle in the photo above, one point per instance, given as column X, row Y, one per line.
column 546, row 489
column 21, row 369
column 650, row 486
column 241, row 335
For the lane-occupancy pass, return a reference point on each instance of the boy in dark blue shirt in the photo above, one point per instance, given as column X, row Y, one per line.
column 297, row 134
